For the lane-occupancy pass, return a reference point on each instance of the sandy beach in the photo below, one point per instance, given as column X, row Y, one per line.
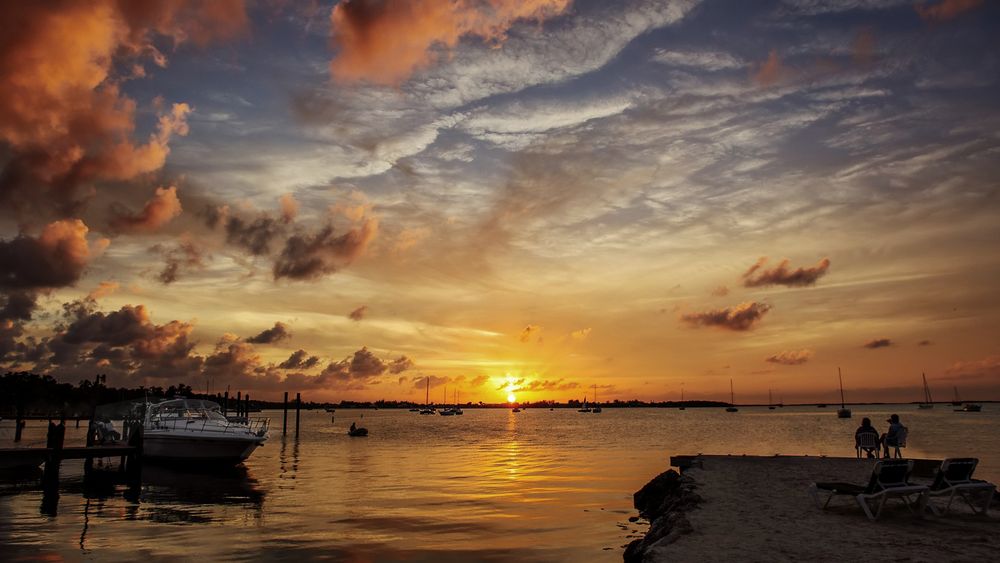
column 759, row 509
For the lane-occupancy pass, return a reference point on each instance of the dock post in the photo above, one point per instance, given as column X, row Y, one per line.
column 225, row 403
column 284, row 418
column 239, row 401
column 18, row 422
column 246, row 407
column 88, row 463
column 298, row 406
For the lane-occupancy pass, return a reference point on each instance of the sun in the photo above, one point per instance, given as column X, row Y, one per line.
column 511, row 398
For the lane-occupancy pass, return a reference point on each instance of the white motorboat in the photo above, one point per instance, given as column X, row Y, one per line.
column 196, row 430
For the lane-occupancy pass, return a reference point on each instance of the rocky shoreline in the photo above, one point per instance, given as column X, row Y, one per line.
column 664, row 502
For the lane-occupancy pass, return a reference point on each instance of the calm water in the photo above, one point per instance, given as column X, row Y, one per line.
column 538, row 485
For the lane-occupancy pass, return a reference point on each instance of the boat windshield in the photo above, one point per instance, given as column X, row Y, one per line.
column 187, row 408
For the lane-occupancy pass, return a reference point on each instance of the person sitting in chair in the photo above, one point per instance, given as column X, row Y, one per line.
column 867, row 428
column 895, row 436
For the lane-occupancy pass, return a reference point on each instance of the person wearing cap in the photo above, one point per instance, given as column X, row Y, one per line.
column 896, row 430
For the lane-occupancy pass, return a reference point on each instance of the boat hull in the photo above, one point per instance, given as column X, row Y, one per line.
column 206, row 449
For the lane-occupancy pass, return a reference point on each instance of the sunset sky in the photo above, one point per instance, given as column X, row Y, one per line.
column 535, row 196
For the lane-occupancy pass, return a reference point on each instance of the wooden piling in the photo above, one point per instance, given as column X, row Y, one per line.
column 246, row 407
column 88, row 463
column 225, row 403
column 18, row 422
column 239, row 402
column 298, row 407
column 284, row 418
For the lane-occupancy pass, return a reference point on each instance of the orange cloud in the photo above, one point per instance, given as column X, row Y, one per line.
column 946, row 10
column 878, row 343
column 56, row 258
column 289, row 208
column 790, row 357
column 529, row 332
column 384, row 41
column 158, row 211
column 103, row 289
column 740, row 317
column 581, row 334
column 63, row 115
column 771, row 71
column 359, row 313
column 864, row 46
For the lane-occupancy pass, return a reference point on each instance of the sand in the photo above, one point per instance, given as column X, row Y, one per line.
column 759, row 509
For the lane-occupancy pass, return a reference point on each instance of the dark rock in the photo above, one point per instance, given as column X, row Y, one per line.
column 633, row 518
column 650, row 498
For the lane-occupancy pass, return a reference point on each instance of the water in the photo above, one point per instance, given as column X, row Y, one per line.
column 491, row 485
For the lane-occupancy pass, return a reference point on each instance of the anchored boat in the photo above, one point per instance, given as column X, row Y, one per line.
column 196, row 430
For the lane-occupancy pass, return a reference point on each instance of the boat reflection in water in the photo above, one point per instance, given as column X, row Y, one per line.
column 196, row 430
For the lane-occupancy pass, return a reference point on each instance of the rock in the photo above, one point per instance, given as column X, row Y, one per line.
column 650, row 498
column 633, row 518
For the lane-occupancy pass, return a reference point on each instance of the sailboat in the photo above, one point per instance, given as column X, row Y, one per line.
column 446, row 411
column 584, row 408
column 928, row 402
column 843, row 411
column 732, row 399
column 597, row 406
column 457, row 409
column 682, row 407
column 968, row 407
column 428, row 409
column 770, row 401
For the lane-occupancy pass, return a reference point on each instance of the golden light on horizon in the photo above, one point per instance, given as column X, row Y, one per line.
column 511, row 398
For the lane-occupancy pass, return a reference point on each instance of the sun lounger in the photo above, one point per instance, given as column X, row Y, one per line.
column 889, row 480
column 954, row 479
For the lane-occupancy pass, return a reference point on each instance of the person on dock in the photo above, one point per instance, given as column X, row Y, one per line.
column 867, row 428
column 892, row 438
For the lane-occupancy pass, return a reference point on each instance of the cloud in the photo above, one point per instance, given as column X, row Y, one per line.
column 158, row 211
column 253, row 235
column 311, row 256
column 56, row 258
column 17, row 305
column 791, row 357
column 546, row 385
column 185, row 253
column 299, row 360
column 581, row 334
column 274, row 334
column 925, row 343
column 529, row 332
column 103, row 289
column 987, row 367
column 361, row 369
column 771, row 71
column 740, row 317
column 780, row 275
column 384, row 41
column 289, row 208
column 878, row 343
column 720, row 291
column 359, row 313
column 479, row 380
column 435, row 381
column 945, row 9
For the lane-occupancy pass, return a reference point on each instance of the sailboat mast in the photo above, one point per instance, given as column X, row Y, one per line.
column 841, row 378
column 427, row 393
column 927, row 390
column 770, row 400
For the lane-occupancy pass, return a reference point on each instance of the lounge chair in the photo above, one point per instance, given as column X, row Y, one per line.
column 954, row 479
column 889, row 480
column 868, row 443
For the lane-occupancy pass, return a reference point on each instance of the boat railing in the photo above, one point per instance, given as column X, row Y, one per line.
column 255, row 426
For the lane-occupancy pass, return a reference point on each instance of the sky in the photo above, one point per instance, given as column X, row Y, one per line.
column 554, row 198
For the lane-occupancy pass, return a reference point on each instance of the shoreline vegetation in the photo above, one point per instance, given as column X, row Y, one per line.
column 43, row 396
column 754, row 508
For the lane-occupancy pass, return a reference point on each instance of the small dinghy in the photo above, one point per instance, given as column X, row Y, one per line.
column 357, row 432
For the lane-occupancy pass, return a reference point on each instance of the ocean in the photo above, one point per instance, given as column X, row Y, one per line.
column 491, row 485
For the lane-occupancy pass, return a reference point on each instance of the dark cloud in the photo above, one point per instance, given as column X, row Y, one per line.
column 924, row 343
column 274, row 334
column 790, row 357
column 361, row 369
column 17, row 305
column 359, row 313
column 781, row 275
column 547, row 385
column 878, row 343
column 183, row 255
column 435, row 381
column 300, row 360
column 479, row 380
column 56, row 258
column 740, row 317
column 311, row 256
column 400, row 364
column 253, row 235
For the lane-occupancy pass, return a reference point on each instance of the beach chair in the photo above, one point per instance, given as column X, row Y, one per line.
column 889, row 480
column 900, row 442
column 954, row 479
column 868, row 443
